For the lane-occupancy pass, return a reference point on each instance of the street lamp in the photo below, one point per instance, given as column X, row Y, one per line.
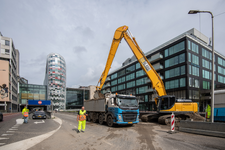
column 212, row 87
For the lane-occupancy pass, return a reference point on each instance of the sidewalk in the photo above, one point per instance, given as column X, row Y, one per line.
column 8, row 114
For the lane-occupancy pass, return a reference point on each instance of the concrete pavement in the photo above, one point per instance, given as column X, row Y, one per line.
column 137, row 137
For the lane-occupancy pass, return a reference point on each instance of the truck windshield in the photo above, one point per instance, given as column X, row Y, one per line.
column 127, row 102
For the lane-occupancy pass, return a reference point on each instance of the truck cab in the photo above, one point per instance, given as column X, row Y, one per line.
column 123, row 108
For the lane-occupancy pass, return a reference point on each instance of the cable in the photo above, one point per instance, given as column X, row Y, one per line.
column 219, row 14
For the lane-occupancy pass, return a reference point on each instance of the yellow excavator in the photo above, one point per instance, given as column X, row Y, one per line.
column 166, row 104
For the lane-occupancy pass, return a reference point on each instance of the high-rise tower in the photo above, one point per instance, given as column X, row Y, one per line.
column 55, row 79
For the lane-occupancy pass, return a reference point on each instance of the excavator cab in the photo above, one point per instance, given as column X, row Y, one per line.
column 165, row 102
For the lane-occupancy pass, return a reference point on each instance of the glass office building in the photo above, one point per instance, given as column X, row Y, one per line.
column 31, row 92
column 75, row 97
column 55, row 79
column 183, row 63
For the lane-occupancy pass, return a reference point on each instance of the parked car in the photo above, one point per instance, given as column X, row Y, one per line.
column 1, row 116
column 39, row 114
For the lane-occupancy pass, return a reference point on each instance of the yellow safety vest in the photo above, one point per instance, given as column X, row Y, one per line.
column 82, row 117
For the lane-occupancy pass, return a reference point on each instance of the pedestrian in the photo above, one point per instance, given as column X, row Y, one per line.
column 25, row 114
column 81, row 118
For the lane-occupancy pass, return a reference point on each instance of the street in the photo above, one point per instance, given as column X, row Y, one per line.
column 141, row 136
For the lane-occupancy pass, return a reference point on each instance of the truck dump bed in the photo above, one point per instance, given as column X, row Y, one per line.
column 97, row 105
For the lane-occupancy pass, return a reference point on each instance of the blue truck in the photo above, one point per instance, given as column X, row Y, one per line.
column 219, row 107
column 113, row 109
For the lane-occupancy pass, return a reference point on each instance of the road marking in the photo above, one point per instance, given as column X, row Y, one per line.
column 28, row 143
column 75, row 126
column 13, row 129
column 2, row 143
column 6, row 134
column 4, row 138
column 106, row 142
column 19, row 121
column 10, row 131
column 40, row 122
column 71, row 124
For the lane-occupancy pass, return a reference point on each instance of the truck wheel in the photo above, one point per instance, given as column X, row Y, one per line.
column 100, row 119
column 88, row 118
column 94, row 117
column 110, row 121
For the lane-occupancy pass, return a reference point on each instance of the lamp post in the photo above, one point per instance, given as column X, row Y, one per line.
column 212, row 86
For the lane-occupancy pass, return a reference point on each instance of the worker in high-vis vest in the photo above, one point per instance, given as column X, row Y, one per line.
column 25, row 113
column 81, row 118
column 208, row 112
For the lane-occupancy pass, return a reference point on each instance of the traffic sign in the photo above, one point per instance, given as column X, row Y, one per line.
column 40, row 102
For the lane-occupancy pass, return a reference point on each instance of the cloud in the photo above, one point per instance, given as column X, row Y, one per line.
column 79, row 49
column 82, row 31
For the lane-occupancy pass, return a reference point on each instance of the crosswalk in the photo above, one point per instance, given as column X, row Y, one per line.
column 6, row 136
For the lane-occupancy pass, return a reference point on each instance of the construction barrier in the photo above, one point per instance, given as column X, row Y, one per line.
column 172, row 122
column 204, row 128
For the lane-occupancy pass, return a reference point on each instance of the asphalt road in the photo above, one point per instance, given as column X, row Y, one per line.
column 137, row 137
column 11, row 132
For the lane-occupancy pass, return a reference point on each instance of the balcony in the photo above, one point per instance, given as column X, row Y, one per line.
column 107, row 79
column 155, row 57
column 158, row 66
column 147, row 80
column 107, row 85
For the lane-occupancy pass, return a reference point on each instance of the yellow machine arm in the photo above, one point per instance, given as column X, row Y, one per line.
column 123, row 32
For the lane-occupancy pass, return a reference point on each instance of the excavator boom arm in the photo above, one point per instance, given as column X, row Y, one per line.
column 122, row 32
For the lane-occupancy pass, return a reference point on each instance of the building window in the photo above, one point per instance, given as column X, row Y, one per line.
column 140, row 81
column 221, row 61
column 206, row 85
column 193, row 94
column 140, row 73
column 193, row 47
column 221, row 70
column 7, row 51
column 114, row 82
column 121, row 73
column 121, row 87
column 221, row 79
column 174, row 49
column 206, row 64
column 7, row 42
column 206, row 74
column 121, row 80
column 175, row 60
column 138, row 65
column 130, row 69
column 193, row 82
column 113, row 89
column 175, row 72
column 189, row 57
column 206, row 54
column 141, row 90
column 130, row 84
column 193, row 70
column 114, row 76
column 175, row 83
column 195, row 59
column 130, row 77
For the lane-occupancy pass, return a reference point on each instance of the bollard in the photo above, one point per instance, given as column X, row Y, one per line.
column 172, row 122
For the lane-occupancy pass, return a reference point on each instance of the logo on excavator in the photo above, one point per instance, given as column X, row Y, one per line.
column 124, row 27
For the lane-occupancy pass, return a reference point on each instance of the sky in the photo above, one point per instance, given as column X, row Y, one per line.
column 82, row 31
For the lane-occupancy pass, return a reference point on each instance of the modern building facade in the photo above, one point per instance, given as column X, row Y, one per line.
column 76, row 96
column 9, row 73
column 55, row 80
column 31, row 92
column 185, row 65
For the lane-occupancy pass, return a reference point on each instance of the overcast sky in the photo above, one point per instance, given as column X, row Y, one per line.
column 82, row 31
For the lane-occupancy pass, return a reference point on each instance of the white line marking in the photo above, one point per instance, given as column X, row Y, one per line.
column 10, row 131
column 6, row 134
column 19, row 121
column 70, row 124
column 106, row 142
column 75, row 126
column 4, row 138
column 13, row 129
column 2, row 143
column 28, row 143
